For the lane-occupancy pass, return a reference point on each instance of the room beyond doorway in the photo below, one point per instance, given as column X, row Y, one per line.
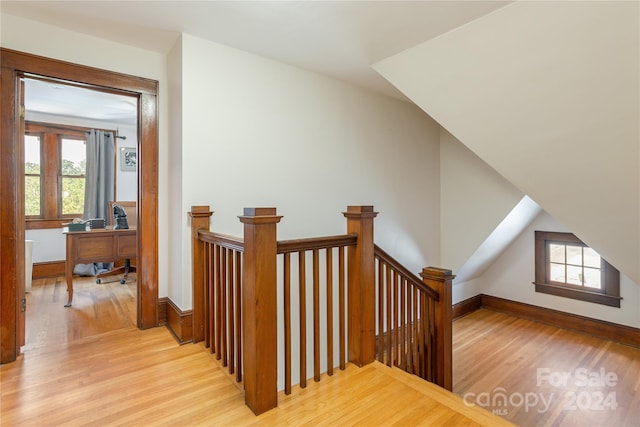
column 14, row 65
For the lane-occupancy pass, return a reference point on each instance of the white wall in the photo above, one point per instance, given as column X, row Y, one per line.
column 256, row 132
column 547, row 93
column 475, row 199
column 261, row 133
column 45, row 40
column 512, row 274
column 176, row 209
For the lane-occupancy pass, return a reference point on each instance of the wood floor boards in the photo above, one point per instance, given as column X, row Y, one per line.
column 498, row 354
column 75, row 373
column 89, row 365
column 96, row 309
column 134, row 377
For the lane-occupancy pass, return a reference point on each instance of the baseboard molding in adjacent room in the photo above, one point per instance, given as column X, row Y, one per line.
column 177, row 321
column 47, row 269
column 599, row 328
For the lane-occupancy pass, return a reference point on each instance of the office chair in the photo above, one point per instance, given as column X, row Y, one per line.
column 131, row 221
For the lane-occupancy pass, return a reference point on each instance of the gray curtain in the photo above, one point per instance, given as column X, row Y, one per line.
column 100, row 174
column 98, row 187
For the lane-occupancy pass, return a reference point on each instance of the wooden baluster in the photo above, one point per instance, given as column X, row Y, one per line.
column 394, row 320
column 316, row 315
column 388, row 313
column 223, row 305
column 200, row 219
column 287, row 323
column 380, row 311
column 218, row 310
column 441, row 280
column 403, row 327
column 329, row 261
column 260, row 309
column 341, row 307
column 409, row 330
column 432, row 340
column 210, row 300
column 239, row 316
column 414, row 324
column 230, row 311
column 302, row 294
column 423, row 342
column 205, row 296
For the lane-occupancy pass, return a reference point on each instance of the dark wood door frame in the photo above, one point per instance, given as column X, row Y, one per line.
column 12, row 168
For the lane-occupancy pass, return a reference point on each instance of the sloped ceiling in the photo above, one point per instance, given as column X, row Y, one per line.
column 547, row 93
column 335, row 38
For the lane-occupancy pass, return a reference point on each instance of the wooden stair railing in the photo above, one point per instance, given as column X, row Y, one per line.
column 235, row 289
column 414, row 319
column 217, row 286
column 323, row 292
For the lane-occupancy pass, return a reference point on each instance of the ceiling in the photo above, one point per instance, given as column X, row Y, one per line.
column 340, row 39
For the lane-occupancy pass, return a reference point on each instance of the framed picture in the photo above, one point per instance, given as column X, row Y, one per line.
column 128, row 159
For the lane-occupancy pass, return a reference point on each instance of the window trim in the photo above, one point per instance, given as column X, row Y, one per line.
column 610, row 293
column 50, row 178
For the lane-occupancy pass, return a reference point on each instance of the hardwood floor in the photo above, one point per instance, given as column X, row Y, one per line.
column 89, row 365
column 127, row 376
column 549, row 376
column 96, row 309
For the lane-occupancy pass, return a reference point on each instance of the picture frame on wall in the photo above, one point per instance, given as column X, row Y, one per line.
column 128, row 159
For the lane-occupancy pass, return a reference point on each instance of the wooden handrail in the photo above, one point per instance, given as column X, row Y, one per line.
column 411, row 277
column 299, row 245
column 222, row 240
column 383, row 310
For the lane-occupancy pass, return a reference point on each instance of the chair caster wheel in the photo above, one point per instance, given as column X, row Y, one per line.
column 122, row 281
column 98, row 281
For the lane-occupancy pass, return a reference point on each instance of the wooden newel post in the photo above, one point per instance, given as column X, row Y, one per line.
column 200, row 220
column 441, row 280
column 361, row 286
column 259, row 313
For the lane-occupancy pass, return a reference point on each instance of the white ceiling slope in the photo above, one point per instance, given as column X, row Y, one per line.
column 340, row 39
column 548, row 94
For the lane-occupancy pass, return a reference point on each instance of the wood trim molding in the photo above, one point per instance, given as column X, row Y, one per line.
column 179, row 322
column 48, row 269
column 467, row 306
column 12, row 218
column 599, row 328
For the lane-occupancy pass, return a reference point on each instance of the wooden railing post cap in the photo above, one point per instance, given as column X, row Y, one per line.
column 354, row 211
column 436, row 273
column 200, row 211
column 259, row 216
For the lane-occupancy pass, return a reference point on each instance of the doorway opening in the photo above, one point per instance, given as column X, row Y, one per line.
column 66, row 179
column 12, row 213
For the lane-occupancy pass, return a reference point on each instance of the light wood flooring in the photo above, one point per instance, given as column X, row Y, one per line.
column 96, row 309
column 89, row 365
column 77, row 374
column 584, row 381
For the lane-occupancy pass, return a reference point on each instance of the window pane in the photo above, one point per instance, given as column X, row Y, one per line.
column 574, row 275
column 557, row 273
column 574, row 255
column 32, row 195
column 592, row 278
column 32, row 175
column 74, row 157
column 72, row 196
column 591, row 258
column 32, row 154
column 556, row 253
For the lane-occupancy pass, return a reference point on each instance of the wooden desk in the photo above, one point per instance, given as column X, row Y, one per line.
column 104, row 245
